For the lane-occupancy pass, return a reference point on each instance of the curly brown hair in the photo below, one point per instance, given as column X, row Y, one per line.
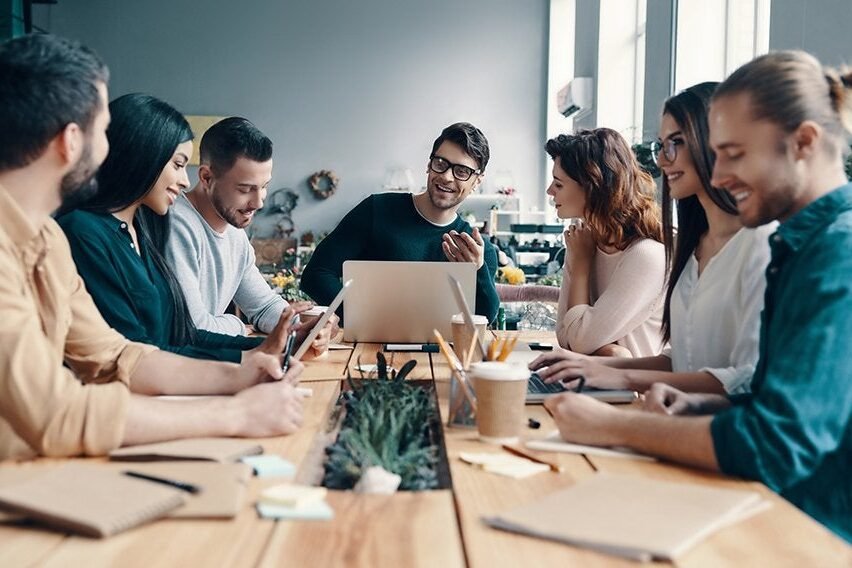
column 620, row 197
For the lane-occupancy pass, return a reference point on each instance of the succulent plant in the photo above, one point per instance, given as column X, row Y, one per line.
column 387, row 424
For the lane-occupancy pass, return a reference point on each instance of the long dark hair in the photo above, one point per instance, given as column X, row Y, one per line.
column 143, row 134
column 620, row 203
column 689, row 110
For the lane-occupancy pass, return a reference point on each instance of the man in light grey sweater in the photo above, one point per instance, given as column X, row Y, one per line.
column 208, row 247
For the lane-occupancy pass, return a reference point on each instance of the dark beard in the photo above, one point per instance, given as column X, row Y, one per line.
column 80, row 184
column 224, row 213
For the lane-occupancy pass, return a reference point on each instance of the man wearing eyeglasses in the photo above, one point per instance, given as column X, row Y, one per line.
column 421, row 227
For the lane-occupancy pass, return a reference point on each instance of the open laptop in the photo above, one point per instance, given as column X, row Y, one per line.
column 537, row 389
column 402, row 302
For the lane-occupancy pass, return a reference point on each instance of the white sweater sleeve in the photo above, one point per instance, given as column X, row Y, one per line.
column 183, row 251
column 630, row 297
column 255, row 298
column 736, row 378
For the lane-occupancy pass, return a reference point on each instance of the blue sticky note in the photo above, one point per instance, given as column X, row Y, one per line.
column 316, row 511
column 270, row 465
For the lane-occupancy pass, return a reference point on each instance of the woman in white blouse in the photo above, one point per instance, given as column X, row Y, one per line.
column 716, row 284
column 615, row 264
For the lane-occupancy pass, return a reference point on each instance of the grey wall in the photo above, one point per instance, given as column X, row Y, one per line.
column 356, row 87
column 818, row 26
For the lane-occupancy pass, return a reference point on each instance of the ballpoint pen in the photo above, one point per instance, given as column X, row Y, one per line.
column 291, row 342
column 188, row 487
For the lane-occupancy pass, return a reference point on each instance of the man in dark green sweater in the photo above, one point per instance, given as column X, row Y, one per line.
column 421, row 227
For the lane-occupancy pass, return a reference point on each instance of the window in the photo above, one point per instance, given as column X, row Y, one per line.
column 714, row 37
column 621, row 67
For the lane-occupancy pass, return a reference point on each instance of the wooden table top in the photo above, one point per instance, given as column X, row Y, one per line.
column 437, row 528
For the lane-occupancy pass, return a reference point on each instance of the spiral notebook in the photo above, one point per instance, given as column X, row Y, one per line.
column 89, row 500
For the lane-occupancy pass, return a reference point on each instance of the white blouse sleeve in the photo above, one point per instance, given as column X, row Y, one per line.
column 736, row 378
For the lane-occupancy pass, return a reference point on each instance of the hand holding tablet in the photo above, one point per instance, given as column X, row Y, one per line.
column 315, row 331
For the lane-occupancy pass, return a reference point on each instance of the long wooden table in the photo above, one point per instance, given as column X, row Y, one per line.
column 437, row 528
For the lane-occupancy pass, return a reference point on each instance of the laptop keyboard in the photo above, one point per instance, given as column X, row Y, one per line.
column 538, row 386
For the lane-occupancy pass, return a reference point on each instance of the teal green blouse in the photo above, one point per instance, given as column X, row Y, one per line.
column 794, row 432
column 131, row 292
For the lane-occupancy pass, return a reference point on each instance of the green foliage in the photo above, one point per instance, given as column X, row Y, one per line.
column 554, row 279
column 646, row 158
column 387, row 424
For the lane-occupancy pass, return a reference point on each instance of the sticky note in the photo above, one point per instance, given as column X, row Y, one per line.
column 503, row 464
column 316, row 511
column 292, row 495
column 270, row 465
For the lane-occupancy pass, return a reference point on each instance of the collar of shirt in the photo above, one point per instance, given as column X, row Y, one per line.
column 796, row 231
column 31, row 243
column 14, row 222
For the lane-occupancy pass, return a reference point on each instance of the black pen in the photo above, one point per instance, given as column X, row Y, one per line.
column 581, row 382
column 288, row 351
column 188, row 487
column 412, row 347
column 291, row 342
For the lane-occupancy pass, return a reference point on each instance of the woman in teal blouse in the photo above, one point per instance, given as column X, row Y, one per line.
column 116, row 235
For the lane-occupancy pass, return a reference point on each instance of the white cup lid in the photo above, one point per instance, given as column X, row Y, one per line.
column 499, row 371
column 477, row 319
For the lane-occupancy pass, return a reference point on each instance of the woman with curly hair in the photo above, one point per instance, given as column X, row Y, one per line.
column 615, row 264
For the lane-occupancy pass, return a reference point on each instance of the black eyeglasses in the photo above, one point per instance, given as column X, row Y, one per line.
column 461, row 172
column 667, row 149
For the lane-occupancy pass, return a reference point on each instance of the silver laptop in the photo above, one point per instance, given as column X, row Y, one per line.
column 402, row 302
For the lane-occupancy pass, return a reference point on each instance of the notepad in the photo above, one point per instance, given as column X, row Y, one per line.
column 222, row 486
column 270, row 465
column 90, row 500
column 633, row 517
column 504, row 464
column 292, row 495
column 223, row 450
column 316, row 511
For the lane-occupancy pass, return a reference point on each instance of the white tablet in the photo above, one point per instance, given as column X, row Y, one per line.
column 315, row 331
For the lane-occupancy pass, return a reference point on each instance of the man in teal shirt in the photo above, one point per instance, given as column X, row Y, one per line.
column 777, row 128
column 421, row 227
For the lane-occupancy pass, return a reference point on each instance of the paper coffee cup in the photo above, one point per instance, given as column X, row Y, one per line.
column 462, row 337
column 501, row 390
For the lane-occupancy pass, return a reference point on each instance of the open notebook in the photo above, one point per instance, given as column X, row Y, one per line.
column 89, row 500
column 632, row 517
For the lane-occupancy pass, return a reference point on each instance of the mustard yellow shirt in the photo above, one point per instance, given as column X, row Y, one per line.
column 46, row 319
